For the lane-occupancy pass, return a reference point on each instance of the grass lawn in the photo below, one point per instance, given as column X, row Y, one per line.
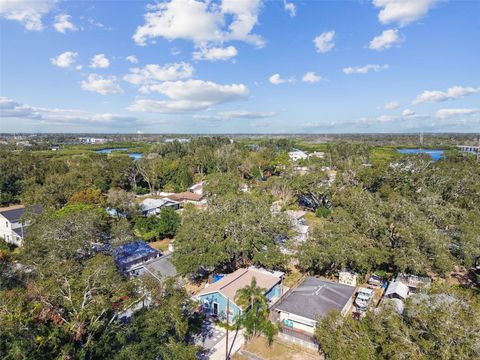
column 160, row 245
column 278, row 351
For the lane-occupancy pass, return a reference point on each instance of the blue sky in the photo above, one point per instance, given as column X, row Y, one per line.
column 240, row 66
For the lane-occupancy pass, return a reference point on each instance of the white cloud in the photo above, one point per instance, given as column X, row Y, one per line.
column 101, row 85
column 452, row 93
column 365, row 69
column 152, row 74
column 290, row 8
column 391, row 105
column 65, row 59
column 449, row 113
column 63, row 23
column 189, row 95
column 311, row 77
column 235, row 114
column 402, row 12
column 99, row 61
column 408, row 112
column 13, row 109
column 201, row 22
column 276, row 79
column 215, row 53
column 385, row 40
column 132, row 59
column 324, row 42
column 28, row 12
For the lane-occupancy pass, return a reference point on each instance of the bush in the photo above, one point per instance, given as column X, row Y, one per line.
column 322, row 212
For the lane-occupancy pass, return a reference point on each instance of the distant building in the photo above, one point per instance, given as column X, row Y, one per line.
column 187, row 197
column 300, row 309
column 91, row 140
column 397, row 290
column 151, row 206
column 132, row 257
column 296, row 155
column 197, row 188
column 180, row 140
column 12, row 228
column 215, row 297
column 347, row 278
column 413, row 282
column 318, row 154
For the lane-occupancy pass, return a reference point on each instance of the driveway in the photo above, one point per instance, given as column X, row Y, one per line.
column 213, row 340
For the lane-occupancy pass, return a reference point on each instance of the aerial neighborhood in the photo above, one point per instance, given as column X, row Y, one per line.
column 259, row 255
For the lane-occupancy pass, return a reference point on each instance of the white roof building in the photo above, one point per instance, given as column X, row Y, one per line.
column 397, row 290
column 151, row 206
column 296, row 155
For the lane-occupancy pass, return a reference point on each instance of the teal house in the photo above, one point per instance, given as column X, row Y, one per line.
column 215, row 297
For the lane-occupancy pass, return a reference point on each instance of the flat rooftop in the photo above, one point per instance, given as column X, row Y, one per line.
column 314, row 298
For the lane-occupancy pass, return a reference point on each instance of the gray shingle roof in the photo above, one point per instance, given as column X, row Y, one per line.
column 162, row 267
column 315, row 298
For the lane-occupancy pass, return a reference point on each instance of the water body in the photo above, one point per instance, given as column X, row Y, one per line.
column 434, row 154
column 134, row 156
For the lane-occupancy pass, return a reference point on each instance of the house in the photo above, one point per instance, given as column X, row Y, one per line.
column 375, row 280
column 132, row 257
column 215, row 297
column 300, row 225
column 347, row 278
column 397, row 290
column 301, row 170
column 317, row 154
column 161, row 268
column 197, row 188
column 151, row 206
column 296, row 155
column 314, row 298
column 12, row 227
column 413, row 282
column 187, row 197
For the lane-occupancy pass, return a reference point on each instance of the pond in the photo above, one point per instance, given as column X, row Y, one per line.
column 134, row 156
column 434, row 154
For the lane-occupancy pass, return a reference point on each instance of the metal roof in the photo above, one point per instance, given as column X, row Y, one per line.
column 315, row 297
column 130, row 252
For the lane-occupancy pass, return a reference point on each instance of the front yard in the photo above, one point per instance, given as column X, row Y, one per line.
column 278, row 351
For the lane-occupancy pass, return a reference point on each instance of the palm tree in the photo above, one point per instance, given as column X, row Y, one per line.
column 255, row 311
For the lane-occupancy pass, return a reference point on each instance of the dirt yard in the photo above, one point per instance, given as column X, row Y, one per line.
column 279, row 350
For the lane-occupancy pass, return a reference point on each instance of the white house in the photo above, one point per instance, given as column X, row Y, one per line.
column 296, row 155
column 12, row 228
column 151, row 206
column 317, row 154
column 397, row 290
column 299, row 224
column 197, row 188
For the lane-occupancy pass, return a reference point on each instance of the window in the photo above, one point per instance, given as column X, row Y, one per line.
column 6, row 224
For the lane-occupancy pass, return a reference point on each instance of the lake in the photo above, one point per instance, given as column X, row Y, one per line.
column 134, row 156
column 434, row 154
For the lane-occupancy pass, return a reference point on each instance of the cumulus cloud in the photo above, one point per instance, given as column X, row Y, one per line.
column 402, row 12
column 27, row 12
column 290, row 8
column 365, row 69
column 215, row 53
column 99, row 61
column 132, row 59
column 236, row 114
column 449, row 113
column 408, row 112
column 201, row 21
column 65, row 60
column 153, row 74
column 311, row 77
column 189, row 95
column 324, row 42
column 385, row 40
column 63, row 23
column 15, row 110
column 391, row 105
column 101, row 85
column 276, row 79
column 452, row 93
